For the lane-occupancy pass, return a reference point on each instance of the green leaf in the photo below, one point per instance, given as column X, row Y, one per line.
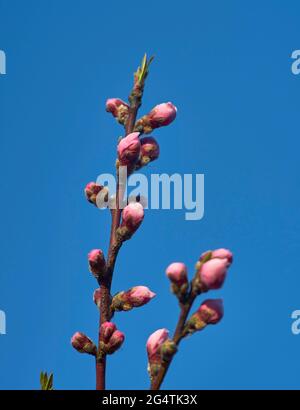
column 46, row 382
column 143, row 70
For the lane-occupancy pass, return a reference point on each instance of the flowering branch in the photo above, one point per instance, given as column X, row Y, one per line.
column 126, row 115
column 211, row 272
column 135, row 152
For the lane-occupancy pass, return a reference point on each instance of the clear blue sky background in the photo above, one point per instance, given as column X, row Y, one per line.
column 227, row 67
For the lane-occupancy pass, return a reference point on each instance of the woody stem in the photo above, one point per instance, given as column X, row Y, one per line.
column 177, row 337
column 114, row 247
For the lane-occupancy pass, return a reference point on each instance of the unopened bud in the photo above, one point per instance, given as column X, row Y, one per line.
column 212, row 274
column 154, row 343
column 96, row 262
column 106, row 331
column 91, row 191
column 210, row 313
column 132, row 217
column 161, row 115
column 134, row 297
column 149, row 151
column 177, row 273
column 115, row 342
column 83, row 344
column 129, row 150
column 118, row 108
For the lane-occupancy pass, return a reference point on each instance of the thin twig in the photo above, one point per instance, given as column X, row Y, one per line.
column 178, row 335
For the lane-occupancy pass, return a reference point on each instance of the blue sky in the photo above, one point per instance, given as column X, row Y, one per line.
column 227, row 67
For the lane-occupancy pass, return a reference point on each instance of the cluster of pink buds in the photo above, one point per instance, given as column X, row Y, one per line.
column 134, row 151
column 211, row 270
column 97, row 263
column 134, row 297
column 111, row 338
column 83, row 344
column 118, row 108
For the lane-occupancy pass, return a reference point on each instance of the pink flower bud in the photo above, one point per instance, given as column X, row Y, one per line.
column 162, row 114
column 177, row 273
column 139, row 296
column 91, row 191
column 211, row 311
column 219, row 253
column 132, row 216
column 149, row 149
column 129, row 149
column 106, row 331
column 115, row 342
column 134, row 297
column 83, row 344
column 96, row 262
column 154, row 344
column 97, row 297
column 113, row 106
column 213, row 273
